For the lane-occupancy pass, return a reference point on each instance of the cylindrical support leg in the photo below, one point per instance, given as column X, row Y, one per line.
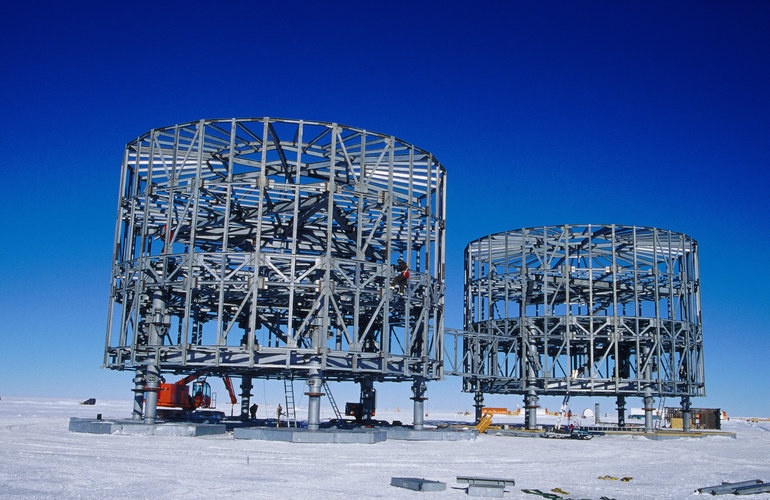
column 418, row 389
column 686, row 414
column 648, row 401
column 136, row 414
column 246, row 387
column 531, row 408
column 526, row 413
column 597, row 418
column 621, row 405
column 368, row 396
column 156, row 328
column 314, row 402
column 152, row 376
column 648, row 409
column 479, row 405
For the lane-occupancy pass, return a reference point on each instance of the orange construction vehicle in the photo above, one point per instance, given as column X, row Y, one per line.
column 177, row 395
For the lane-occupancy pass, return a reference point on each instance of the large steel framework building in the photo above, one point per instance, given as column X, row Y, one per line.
column 581, row 310
column 266, row 247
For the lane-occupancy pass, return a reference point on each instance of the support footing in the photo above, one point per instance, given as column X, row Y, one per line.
column 294, row 435
column 133, row 427
column 407, row 434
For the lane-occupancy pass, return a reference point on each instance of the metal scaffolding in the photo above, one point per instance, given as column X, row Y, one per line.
column 268, row 247
column 581, row 310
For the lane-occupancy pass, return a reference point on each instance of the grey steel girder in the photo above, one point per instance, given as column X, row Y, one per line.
column 269, row 246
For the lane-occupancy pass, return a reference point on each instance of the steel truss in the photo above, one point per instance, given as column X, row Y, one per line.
column 265, row 247
column 581, row 310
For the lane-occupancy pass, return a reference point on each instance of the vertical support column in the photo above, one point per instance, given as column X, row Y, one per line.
column 368, row 395
column 152, row 375
column 156, row 324
column 136, row 414
column 648, row 409
column 621, row 405
column 531, row 406
column 597, row 417
column 648, row 359
column 246, row 387
column 314, row 394
column 479, row 404
column 685, row 413
column 418, row 389
column 531, row 399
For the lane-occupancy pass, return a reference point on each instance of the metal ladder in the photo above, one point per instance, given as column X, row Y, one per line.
column 332, row 402
column 563, row 411
column 291, row 410
column 661, row 406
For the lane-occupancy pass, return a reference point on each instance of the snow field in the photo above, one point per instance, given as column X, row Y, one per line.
column 40, row 458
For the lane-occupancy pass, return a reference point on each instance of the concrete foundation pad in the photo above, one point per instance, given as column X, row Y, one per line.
column 294, row 435
column 666, row 435
column 132, row 427
column 409, row 434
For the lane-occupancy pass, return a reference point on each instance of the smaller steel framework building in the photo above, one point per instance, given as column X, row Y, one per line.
column 581, row 310
column 274, row 248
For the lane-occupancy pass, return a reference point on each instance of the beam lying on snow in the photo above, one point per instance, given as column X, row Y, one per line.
column 417, row 484
column 731, row 488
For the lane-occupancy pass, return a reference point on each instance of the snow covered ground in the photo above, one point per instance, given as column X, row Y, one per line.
column 40, row 458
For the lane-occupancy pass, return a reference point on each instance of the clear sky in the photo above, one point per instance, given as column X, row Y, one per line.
column 650, row 113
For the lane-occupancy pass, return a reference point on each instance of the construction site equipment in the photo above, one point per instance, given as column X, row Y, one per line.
column 332, row 402
column 485, row 490
column 417, row 484
column 567, row 433
column 752, row 490
column 354, row 409
column 495, row 481
column 230, row 390
column 291, row 410
column 742, row 488
column 485, row 422
column 178, row 395
column 700, row 418
column 545, row 494
column 659, row 422
column 563, row 411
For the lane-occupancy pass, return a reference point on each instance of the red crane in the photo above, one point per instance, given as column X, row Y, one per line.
column 229, row 386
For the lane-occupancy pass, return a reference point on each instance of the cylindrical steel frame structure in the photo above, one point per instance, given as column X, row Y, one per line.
column 266, row 247
column 581, row 310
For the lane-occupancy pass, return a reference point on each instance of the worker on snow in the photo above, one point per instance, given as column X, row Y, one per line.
column 278, row 412
column 253, row 410
column 402, row 277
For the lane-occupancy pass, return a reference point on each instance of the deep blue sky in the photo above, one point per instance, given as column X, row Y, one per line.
column 645, row 113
